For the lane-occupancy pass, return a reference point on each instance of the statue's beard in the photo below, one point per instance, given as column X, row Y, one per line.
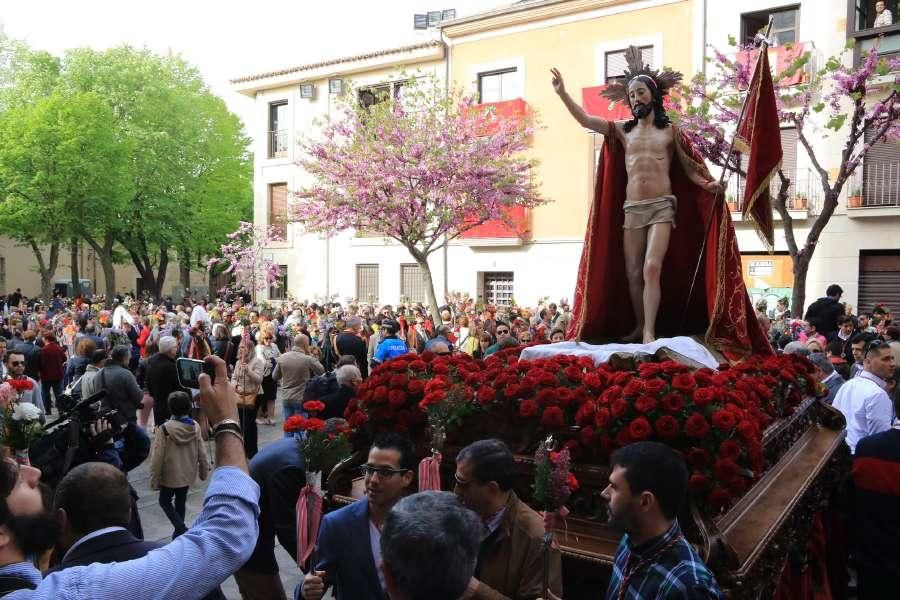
column 641, row 110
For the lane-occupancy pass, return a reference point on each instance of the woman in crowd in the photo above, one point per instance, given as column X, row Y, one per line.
column 267, row 352
column 247, row 379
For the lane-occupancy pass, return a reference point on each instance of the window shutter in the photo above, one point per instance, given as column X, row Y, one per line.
column 278, row 194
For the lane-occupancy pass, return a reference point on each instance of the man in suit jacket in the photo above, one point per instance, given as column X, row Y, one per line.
column 94, row 504
column 161, row 377
column 826, row 374
column 348, row 553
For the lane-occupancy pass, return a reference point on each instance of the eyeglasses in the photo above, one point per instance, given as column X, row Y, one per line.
column 16, row 363
column 502, row 330
column 382, row 472
column 874, row 345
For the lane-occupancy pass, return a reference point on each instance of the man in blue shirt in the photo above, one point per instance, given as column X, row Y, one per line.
column 390, row 346
column 220, row 541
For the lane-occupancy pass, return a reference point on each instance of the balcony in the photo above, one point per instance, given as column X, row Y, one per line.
column 278, row 143
column 804, row 195
column 874, row 186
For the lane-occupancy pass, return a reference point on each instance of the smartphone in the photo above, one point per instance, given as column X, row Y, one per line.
column 189, row 370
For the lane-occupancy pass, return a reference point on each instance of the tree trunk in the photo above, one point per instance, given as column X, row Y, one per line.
column 184, row 268
column 105, row 256
column 47, row 269
column 801, row 268
column 422, row 260
column 73, row 265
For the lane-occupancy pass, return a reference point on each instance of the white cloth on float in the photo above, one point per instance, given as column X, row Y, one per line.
column 600, row 353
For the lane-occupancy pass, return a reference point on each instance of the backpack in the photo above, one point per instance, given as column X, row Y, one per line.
column 319, row 386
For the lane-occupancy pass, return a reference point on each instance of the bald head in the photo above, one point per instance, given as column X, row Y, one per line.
column 94, row 496
column 301, row 342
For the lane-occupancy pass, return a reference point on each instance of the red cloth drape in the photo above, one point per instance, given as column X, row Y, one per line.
column 760, row 134
column 811, row 583
column 720, row 309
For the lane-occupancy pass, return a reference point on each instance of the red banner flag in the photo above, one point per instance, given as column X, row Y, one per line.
column 760, row 134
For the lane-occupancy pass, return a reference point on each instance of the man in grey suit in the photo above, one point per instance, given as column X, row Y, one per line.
column 826, row 374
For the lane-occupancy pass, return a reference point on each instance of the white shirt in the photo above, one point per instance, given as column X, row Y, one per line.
column 375, row 544
column 866, row 406
column 884, row 19
column 198, row 313
column 119, row 315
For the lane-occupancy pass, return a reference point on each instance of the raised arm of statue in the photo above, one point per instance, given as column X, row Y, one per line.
column 593, row 123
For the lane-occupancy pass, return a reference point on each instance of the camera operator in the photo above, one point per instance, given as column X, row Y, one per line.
column 124, row 395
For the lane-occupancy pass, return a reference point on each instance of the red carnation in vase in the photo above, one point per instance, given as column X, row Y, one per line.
column 314, row 406
column 684, row 382
column 667, row 427
column 553, row 417
column 696, row 426
column 486, row 395
column 724, row 420
column 294, row 423
column 20, row 385
column 645, row 404
column 396, row 398
column 673, row 402
column 639, row 429
column 725, row 470
column 528, row 408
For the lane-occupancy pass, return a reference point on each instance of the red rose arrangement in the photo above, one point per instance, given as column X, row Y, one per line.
column 323, row 444
column 716, row 418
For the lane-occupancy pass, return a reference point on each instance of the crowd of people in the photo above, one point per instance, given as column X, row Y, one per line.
column 269, row 360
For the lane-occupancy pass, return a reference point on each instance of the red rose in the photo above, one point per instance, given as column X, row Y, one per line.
column 585, row 413
column 698, row 483
column 696, row 426
column 618, row 407
column 553, row 417
column 486, row 395
column 396, row 398
column 724, row 420
column 440, row 368
column 564, row 396
column 654, row 386
column 730, row 449
column 380, row 394
column 698, row 457
column 704, row 396
column 528, row 408
column 314, row 406
column 645, row 404
column 418, row 366
column 399, row 380
column 573, row 374
column 623, row 438
column 397, row 364
column 667, row 427
column 358, row 419
column 572, row 482
column 747, row 430
column 684, row 382
column 634, row 387
column 546, row 397
column 602, row 417
column 786, row 375
column 432, row 398
column 725, row 470
column 647, row 369
column 673, row 402
column 610, row 394
column 622, row 377
column 639, row 429
column 415, row 386
column 592, row 381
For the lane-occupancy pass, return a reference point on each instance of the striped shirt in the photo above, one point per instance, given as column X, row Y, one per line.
column 666, row 567
column 219, row 543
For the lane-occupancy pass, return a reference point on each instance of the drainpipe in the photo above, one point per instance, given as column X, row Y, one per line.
column 703, row 61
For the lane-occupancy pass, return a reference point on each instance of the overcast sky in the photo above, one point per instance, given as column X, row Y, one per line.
column 226, row 38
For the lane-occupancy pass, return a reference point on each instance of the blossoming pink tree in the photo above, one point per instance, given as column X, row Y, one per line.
column 421, row 169
column 859, row 104
column 244, row 257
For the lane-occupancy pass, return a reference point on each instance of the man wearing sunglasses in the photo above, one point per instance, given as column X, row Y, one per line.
column 348, row 554
column 503, row 333
column 864, row 400
column 15, row 369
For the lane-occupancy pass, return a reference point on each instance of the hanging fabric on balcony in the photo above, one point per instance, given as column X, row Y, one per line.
column 760, row 135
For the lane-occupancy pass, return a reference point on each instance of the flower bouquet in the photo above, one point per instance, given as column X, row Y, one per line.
column 446, row 404
column 21, row 427
column 323, row 444
column 553, row 484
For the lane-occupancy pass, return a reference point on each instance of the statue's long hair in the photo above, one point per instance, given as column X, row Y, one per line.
column 660, row 118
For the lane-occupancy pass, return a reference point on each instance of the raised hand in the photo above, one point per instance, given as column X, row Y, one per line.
column 558, row 85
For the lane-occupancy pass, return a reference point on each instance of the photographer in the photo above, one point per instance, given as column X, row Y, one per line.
column 124, row 395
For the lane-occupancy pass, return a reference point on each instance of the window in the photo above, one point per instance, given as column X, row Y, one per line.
column 412, row 286
column 279, row 288
column 497, row 288
column 377, row 94
column 880, row 174
column 499, row 85
column 278, row 124
column 616, row 64
column 278, row 208
column 866, row 16
column 784, row 26
column 367, row 283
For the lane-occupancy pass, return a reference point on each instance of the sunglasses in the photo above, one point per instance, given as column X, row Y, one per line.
column 503, row 331
column 16, row 363
column 382, row 472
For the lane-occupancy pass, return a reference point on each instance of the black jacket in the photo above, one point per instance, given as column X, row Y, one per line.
column 825, row 312
column 161, row 379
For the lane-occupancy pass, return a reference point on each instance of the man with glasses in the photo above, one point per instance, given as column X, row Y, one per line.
column 348, row 553
column 15, row 369
column 503, row 332
column 864, row 400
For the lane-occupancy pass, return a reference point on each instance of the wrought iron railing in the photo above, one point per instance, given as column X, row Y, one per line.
column 278, row 143
column 875, row 185
column 804, row 194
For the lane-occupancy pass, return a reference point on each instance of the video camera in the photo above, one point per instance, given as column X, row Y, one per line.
column 69, row 441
